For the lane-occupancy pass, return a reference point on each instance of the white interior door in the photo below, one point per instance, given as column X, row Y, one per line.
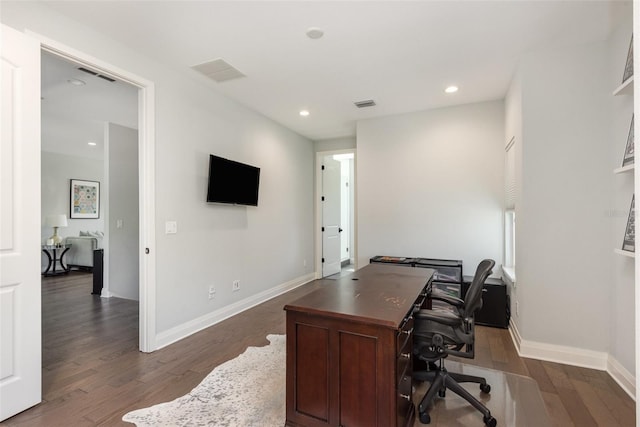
column 330, row 216
column 20, row 330
column 345, row 210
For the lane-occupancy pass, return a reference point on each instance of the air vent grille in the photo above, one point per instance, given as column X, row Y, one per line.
column 93, row 73
column 364, row 104
column 218, row 70
column 109, row 79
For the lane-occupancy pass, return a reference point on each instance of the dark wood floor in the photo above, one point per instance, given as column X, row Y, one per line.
column 93, row 373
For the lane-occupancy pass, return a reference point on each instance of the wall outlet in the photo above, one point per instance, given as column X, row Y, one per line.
column 236, row 285
column 212, row 292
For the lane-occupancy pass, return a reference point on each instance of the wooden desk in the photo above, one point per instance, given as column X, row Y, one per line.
column 349, row 349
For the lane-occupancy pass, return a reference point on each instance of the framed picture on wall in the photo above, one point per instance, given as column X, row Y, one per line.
column 629, row 243
column 629, row 151
column 628, row 68
column 84, row 199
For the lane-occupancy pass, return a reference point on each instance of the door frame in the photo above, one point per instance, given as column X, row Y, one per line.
column 318, row 205
column 146, row 181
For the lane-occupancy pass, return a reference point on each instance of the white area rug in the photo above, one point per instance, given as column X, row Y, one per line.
column 246, row 391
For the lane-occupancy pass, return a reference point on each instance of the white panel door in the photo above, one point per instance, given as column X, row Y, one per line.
column 344, row 210
column 330, row 216
column 20, row 330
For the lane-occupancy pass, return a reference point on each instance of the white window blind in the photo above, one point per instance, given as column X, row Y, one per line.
column 510, row 175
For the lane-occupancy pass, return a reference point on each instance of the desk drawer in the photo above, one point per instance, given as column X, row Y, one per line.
column 404, row 371
column 404, row 400
column 404, row 335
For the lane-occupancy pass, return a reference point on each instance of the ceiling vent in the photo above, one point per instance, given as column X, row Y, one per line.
column 93, row 73
column 366, row 103
column 218, row 70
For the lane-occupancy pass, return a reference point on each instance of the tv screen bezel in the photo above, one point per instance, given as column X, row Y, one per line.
column 235, row 198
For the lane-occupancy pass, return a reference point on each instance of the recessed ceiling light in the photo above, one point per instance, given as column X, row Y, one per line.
column 76, row 82
column 91, row 143
column 451, row 89
column 314, row 32
column 304, row 113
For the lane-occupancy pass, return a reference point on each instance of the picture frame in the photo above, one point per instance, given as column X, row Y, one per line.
column 629, row 242
column 84, row 199
column 628, row 68
column 629, row 151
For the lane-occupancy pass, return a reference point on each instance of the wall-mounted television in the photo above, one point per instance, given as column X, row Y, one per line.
column 232, row 182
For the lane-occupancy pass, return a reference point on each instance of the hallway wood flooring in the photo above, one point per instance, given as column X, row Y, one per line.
column 93, row 372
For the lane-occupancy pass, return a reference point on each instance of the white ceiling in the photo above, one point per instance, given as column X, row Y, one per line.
column 400, row 54
column 72, row 116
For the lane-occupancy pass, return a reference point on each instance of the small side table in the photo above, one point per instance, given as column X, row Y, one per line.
column 55, row 254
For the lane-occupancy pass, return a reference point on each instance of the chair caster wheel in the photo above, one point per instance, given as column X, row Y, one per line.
column 485, row 388
column 490, row 421
column 425, row 418
column 442, row 393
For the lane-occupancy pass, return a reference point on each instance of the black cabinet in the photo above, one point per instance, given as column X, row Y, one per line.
column 447, row 276
column 396, row 260
column 98, row 271
column 495, row 309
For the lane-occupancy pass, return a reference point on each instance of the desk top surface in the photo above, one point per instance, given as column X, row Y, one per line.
column 380, row 294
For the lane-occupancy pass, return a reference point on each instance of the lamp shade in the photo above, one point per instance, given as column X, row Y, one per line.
column 57, row 220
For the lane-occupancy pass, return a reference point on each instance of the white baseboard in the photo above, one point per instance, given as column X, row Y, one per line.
column 624, row 378
column 179, row 332
column 575, row 357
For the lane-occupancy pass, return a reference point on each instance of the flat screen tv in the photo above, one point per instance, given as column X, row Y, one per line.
column 232, row 182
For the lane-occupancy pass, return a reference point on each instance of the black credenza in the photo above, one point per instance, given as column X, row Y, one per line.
column 496, row 304
column 447, row 275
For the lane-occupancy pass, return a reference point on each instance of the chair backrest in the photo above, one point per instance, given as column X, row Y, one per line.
column 473, row 298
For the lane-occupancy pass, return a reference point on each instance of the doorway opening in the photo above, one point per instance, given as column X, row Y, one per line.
column 128, row 139
column 89, row 158
column 336, row 213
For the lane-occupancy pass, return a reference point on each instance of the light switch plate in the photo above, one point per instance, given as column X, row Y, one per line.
column 171, row 227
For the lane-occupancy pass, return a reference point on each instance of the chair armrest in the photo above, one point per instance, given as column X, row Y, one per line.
column 445, row 297
column 442, row 317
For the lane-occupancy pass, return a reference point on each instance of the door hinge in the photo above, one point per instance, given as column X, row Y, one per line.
column 322, row 259
column 322, row 167
column 323, row 198
column 323, row 229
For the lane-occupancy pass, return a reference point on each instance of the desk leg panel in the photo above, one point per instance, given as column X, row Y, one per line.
column 312, row 371
column 359, row 388
column 340, row 373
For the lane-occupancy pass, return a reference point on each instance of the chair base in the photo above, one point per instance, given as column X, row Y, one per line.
column 441, row 380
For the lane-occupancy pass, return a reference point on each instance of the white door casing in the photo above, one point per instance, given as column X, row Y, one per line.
column 20, row 298
column 330, row 216
column 146, row 184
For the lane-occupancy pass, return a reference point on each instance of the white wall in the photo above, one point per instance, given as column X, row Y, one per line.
column 430, row 184
column 513, row 130
column 122, row 243
column 262, row 247
column 563, row 266
column 57, row 171
column 334, row 144
column 622, row 337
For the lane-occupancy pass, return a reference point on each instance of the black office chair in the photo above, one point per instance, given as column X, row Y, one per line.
column 440, row 333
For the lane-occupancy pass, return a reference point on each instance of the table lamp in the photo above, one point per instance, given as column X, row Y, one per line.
column 56, row 221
